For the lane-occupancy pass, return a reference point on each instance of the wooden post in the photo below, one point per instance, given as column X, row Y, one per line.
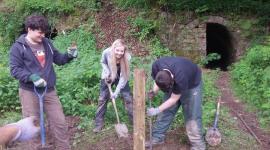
column 139, row 109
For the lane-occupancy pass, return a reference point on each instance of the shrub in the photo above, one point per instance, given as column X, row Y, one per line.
column 251, row 78
column 142, row 28
column 78, row 81
column 9, row 100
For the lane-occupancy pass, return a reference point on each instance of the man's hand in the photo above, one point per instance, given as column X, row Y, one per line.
column 151, row 94
column 38, row 81
column 28, row 128
column 152, row 111
column 72, row 51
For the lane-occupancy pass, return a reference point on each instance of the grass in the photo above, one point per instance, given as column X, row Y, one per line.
column 9, row 117
column 232, row 136
column 263, row 121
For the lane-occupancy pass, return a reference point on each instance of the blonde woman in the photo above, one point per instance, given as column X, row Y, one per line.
column 115, row 70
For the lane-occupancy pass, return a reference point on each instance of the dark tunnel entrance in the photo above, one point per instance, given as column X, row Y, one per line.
column 219, row 40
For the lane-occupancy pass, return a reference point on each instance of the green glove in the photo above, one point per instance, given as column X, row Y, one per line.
column 34, row 77
column 37, row 80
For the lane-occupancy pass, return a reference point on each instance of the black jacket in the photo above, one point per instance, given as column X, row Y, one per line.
column 23, row 63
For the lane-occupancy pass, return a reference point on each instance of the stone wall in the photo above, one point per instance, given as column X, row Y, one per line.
column 189, row 39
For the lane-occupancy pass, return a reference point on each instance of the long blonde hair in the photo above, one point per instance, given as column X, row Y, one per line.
column 124, row 64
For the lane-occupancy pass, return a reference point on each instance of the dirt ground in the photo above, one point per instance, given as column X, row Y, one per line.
column 110, row 141
column 237, row 110
column 113, row 24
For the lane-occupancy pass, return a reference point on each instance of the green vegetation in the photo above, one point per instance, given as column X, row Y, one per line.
column 251, row 77
column 142, row 28
column 210, row 57
column 205, row 7
column 78, row 81
column 14, row 13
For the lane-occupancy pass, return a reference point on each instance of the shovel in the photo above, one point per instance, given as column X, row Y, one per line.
column 40, row 92
column 213, row 136
column 121, row 129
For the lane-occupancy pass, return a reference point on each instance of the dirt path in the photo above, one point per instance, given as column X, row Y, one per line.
column 237, row 110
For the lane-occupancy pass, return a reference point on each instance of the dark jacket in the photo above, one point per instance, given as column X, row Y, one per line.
column 23, row 63
column 187, row 75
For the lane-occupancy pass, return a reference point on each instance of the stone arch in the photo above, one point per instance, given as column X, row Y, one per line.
column 212, row 35
column 188, row 38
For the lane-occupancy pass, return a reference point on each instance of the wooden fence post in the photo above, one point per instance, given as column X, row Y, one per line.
column 139, row 109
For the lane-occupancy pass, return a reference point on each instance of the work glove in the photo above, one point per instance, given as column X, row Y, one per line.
column 151, row 94
column 72, row 51
column 38, row 81
column 152, row 111
column 28, row 129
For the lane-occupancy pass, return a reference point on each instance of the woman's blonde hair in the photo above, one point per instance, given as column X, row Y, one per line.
column 124, row 64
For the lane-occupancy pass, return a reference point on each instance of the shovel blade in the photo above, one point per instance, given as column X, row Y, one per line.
column 121, row 130
column 213, row 137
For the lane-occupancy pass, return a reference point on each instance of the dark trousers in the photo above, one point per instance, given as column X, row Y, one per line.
column 104, row 98
column 192, row 108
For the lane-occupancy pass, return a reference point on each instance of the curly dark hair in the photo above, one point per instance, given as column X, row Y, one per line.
column 37, row 22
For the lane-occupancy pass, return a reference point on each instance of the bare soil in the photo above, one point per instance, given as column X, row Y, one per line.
column 110, row 141
column 113, row 24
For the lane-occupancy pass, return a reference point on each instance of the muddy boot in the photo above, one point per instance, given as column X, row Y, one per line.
column 97, row 129
column 155, row 142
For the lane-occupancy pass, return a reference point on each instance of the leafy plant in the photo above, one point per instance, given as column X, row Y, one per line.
column 132, row 3
column 158, row 50
column 251, row 78
column 210, row 57
column 9, row 99
column 141, row 27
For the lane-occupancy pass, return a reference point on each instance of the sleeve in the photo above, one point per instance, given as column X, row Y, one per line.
column 104, row 63
column 121, row 84
column 58, row 58
column 122, row 81
column 17, row 66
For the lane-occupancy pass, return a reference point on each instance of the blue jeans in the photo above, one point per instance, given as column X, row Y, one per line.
column 104, row 97
column 192, row 109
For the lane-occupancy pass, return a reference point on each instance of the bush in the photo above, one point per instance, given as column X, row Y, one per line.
column 251, row 77
column 158, row 50
column 142, row 28
column 9, row 100
column 132, row 3
column 78, row 81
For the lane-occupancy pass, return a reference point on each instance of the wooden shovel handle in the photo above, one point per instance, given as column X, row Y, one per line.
column 113, row 101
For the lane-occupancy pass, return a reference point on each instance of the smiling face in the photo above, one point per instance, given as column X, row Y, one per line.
column 119, row 51
column 35, row 35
